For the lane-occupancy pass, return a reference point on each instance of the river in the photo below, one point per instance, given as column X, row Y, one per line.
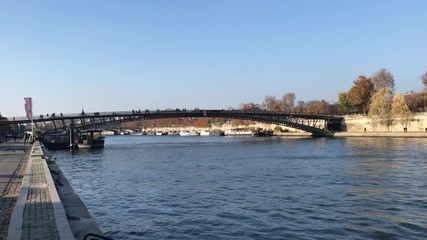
column 171, row 187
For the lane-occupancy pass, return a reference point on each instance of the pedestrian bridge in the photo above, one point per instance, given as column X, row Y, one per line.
column 317, row 124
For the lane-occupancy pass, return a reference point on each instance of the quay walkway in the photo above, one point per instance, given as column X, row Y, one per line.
column 13, row 159
column 36, row 200
column 38, row 213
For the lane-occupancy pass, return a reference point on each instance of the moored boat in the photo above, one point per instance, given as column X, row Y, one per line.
column 194, row 133
column 205, row 133
column 215, row 132
column 56, row 141
column 173, row 133
column 160, row 133
column 239, row 132
column 81, row 139
column 264, row 133
column 90, row 139
column 185, row 133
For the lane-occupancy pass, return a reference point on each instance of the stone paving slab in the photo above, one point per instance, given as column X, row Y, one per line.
column 39, row 213
column 13, row 159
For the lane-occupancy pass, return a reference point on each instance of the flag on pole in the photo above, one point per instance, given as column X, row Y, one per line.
column 29, row 108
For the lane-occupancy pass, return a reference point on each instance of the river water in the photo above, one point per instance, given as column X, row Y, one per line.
column 167, row 187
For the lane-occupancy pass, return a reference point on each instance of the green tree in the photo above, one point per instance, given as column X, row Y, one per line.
column 380, row 108
column 383, row 79
column 345, row 102
column 37, row 133
column 400, row 110
column 360, row 94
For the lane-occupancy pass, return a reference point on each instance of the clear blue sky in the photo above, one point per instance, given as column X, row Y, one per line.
column 123, row 55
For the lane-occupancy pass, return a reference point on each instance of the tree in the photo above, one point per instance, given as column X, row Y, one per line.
column 288, row 101
column 272, row 104
column 411, row 100
column 383, row 79
column 300, row 108
column 337, row 109
column 250, row 107
column 400, row 110
column 37, row 133
column 317, row 107
column 360, row 94
column 379, row 110
column 345, row 102
column 424, row 80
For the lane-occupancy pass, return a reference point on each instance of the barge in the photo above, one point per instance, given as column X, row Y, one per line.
column 80, row 139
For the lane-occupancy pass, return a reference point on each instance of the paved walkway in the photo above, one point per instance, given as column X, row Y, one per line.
column 38, row 213
column 13, row 159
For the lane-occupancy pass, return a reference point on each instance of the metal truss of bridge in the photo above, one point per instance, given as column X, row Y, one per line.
column 318, row 125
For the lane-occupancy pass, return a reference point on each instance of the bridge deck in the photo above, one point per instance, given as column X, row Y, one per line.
column 315, row 123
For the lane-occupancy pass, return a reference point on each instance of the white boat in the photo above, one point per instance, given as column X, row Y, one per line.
column 238, row 132
column 184, row 133
column 215, row 133
column 194, row 133
column 205, row 133
column 189, row 133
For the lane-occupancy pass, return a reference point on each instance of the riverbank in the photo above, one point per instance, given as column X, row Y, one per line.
column 37, row 202
column 38, row 213
column 356, row 134
column 352, row 126
column 361, row 123
column 13, row 161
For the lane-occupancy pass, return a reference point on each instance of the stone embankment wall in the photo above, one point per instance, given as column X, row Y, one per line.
column 352, row 124
column 226, row 127
column 79, row 218
column 358, row 123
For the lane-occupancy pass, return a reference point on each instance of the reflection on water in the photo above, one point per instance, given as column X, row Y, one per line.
column 253, row 188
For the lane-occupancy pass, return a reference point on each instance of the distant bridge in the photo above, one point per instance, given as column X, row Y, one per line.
column 317, row 124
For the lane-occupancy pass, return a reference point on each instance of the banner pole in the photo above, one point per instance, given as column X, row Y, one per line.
column 32, row 121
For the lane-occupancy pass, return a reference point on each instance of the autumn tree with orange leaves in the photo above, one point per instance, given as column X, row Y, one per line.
column 360, row 93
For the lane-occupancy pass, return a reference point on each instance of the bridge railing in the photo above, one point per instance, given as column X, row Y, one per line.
column 55, row 116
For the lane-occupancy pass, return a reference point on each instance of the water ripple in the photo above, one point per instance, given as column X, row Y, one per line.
column 253, row 188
